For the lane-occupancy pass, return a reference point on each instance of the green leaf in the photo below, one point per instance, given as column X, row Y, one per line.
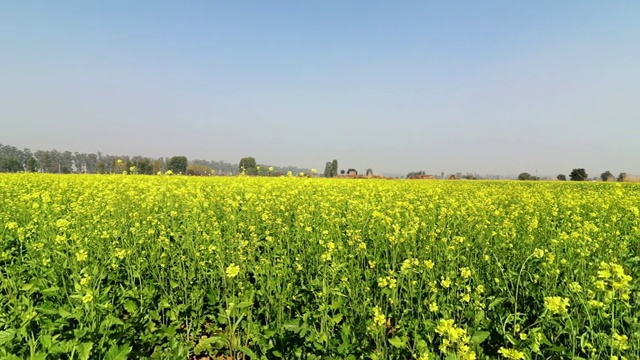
column 292, row 325
column 47, row 309
column 208, row 344
column 510, row 338
column 130, row 306
column 118, row 352
column 6, row 336
column 50, row 291
column 28, row 287
column 244, row 304
column 84, row 350
column 38, row 356
column 397, row 341
column 64, row 313
column 496, row 302
column 109, row 321
column 248, row 352
column 336, row 318
column 479, row 336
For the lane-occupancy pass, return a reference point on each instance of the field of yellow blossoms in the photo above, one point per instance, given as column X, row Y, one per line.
column 172, row 267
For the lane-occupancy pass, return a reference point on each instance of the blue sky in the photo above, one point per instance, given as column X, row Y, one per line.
column 494, row 87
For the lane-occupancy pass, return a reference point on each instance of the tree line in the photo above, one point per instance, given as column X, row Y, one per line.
column 579, row 174
column 13, row 159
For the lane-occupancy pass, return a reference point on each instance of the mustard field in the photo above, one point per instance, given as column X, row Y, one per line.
column 173, row 267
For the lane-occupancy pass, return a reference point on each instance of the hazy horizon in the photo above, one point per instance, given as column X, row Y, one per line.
column 491, row 87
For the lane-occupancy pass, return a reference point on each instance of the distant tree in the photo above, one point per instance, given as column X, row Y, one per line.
column 248, row 165
column 10, row 165
column 158, row 165
column 607, row 176
column 32, row 164
column 578, row 175
column 525, row 176
column 144, row 166
column 352, row 171
column 369, row 172
column 199, row 170
column 342, row 172
column 327, row 169
column 177, row 164
column 334, row 168
column 622, row 177
column 101, row 168
column 562, row 177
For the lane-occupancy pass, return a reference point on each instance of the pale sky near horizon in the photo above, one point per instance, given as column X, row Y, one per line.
column 490, row 87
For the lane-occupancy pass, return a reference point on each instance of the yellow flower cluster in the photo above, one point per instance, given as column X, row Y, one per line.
column 556, row 305
column 454, row 338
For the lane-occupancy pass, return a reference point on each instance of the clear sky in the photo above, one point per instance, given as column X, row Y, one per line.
column 473, row 86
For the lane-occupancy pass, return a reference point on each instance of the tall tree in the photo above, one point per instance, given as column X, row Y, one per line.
column 607, row 176
column 369, row 172
column 578, row 175
column 334, row 168
column 178, row 164
column 158, row 165
column 248, row 165
column 12, row 165
column 622, row 177
column 327, row 169
column 32, row 164
column 525, row 176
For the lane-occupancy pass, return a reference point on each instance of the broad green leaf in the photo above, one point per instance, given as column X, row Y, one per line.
column 292, row 325
column 397, row 341
column 336, row 318
column 47, row 309
column 6, row 336
column 130, row 306
column 244, row 304
column 479, row 336
column 64, row 313
column 248, row 352
column 50, row 291
column 118, row 352
column 208, row 344
column 84, row 350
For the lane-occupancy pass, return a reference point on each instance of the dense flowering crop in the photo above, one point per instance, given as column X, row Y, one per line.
column 171, row 267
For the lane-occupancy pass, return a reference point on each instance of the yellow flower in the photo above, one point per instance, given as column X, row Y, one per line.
column 445, row 282
column 82, row 255
column 539, row 253
column 575, row 287
column 12, row 225
column 378, row 317
column 433, row 307
column 465, row 272
column 620, row 342
column 88, row 297
column 429, row 264
column 232, row 270
column 511, row 354
column 85, row 280
column 556, row 305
